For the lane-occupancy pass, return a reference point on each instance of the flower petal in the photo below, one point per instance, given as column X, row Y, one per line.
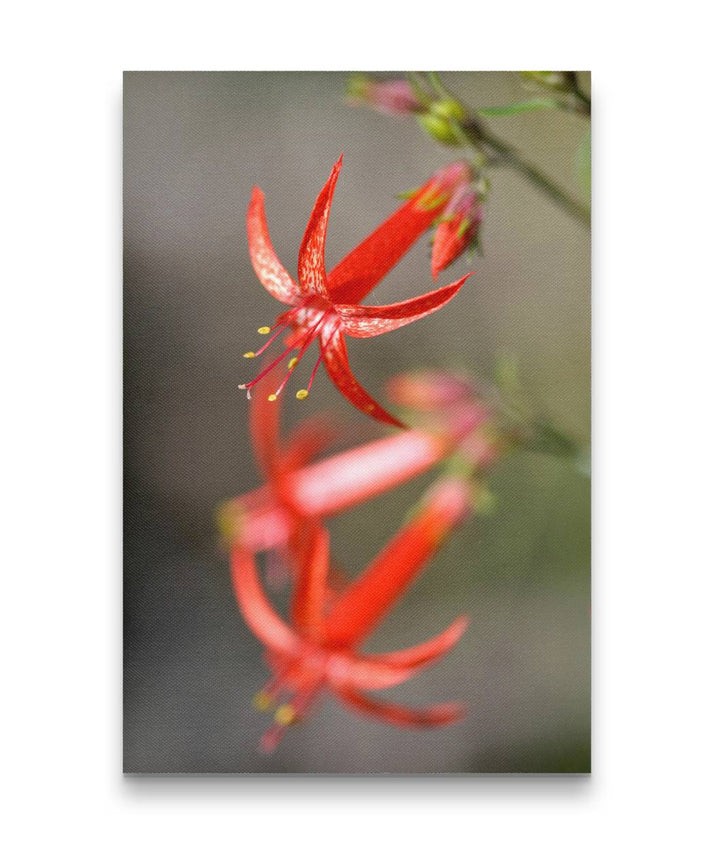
column 366, row 321
column 337, row 365
column 395, row 714
column 361, row 270
column 369, row 597
column 311, row 260
column 259, row 615
column 427, row 652
column 268, row 267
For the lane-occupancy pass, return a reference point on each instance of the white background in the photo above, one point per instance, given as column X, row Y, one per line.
column 656, row 192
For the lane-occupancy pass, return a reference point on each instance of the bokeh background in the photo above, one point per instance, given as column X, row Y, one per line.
column 195, row 144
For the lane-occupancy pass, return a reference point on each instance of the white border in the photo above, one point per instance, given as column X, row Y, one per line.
column 655, row 463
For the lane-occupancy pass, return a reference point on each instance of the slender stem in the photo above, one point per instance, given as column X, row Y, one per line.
column 584, row 105
column 478, row 135
column 581, row 96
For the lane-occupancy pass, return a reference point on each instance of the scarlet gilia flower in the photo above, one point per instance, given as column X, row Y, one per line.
column 457, row 229
column 300, row 491
column 327, row 307
column 394, row 96
column 317, row 649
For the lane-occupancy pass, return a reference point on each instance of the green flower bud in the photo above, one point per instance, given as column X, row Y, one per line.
column 441, row 129
column 448, row 108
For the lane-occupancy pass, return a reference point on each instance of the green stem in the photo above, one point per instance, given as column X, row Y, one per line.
column 510, row 156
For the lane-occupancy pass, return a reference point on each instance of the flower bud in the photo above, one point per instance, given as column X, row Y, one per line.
column 448, row 108
column 442, row 119
column 393, row 97
column 458, row 228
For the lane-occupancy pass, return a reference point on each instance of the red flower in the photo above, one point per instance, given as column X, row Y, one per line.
column 318, row 648
column 298, row 492
column 458, row 228
column 327, row 306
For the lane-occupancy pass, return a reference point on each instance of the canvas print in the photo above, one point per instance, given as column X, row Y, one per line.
column 357, row 422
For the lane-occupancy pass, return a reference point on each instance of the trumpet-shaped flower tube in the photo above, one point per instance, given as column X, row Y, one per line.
column 317, row 649
column 326, row 306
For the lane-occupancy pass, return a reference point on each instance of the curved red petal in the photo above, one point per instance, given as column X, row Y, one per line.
column 366, row 321
column 311, row 260
column 395, row 714
column 361, row 270
column 259, row 615
column 338, row 368
column 267, row 266
column 427, row 652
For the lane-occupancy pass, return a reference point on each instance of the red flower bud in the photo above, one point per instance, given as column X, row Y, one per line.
column 458, row 228
column 393, row 97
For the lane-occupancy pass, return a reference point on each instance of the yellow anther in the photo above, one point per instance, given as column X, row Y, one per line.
column 263, row 331
column 293, row 362
column 262, row 700
column 302, row 393
column 272, row 397
column 285, row 714
column 229, row 520
column 249, row 355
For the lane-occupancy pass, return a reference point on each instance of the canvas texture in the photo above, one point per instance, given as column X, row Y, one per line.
column 413, row 471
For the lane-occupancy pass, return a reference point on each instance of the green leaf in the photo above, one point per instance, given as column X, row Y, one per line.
column 519, row 107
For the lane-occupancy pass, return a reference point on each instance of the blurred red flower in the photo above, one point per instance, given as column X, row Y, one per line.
column 300, row 491
column 317, row 649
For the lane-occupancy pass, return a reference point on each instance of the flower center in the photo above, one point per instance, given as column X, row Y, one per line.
column 300, row 681
column 304, row 324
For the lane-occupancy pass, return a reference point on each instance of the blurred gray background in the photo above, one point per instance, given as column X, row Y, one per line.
column 195, row 144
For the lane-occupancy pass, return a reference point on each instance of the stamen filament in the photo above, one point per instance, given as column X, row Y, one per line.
column 309, row 339
column 267, row 370
column 270, row 340
column 323, row 348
